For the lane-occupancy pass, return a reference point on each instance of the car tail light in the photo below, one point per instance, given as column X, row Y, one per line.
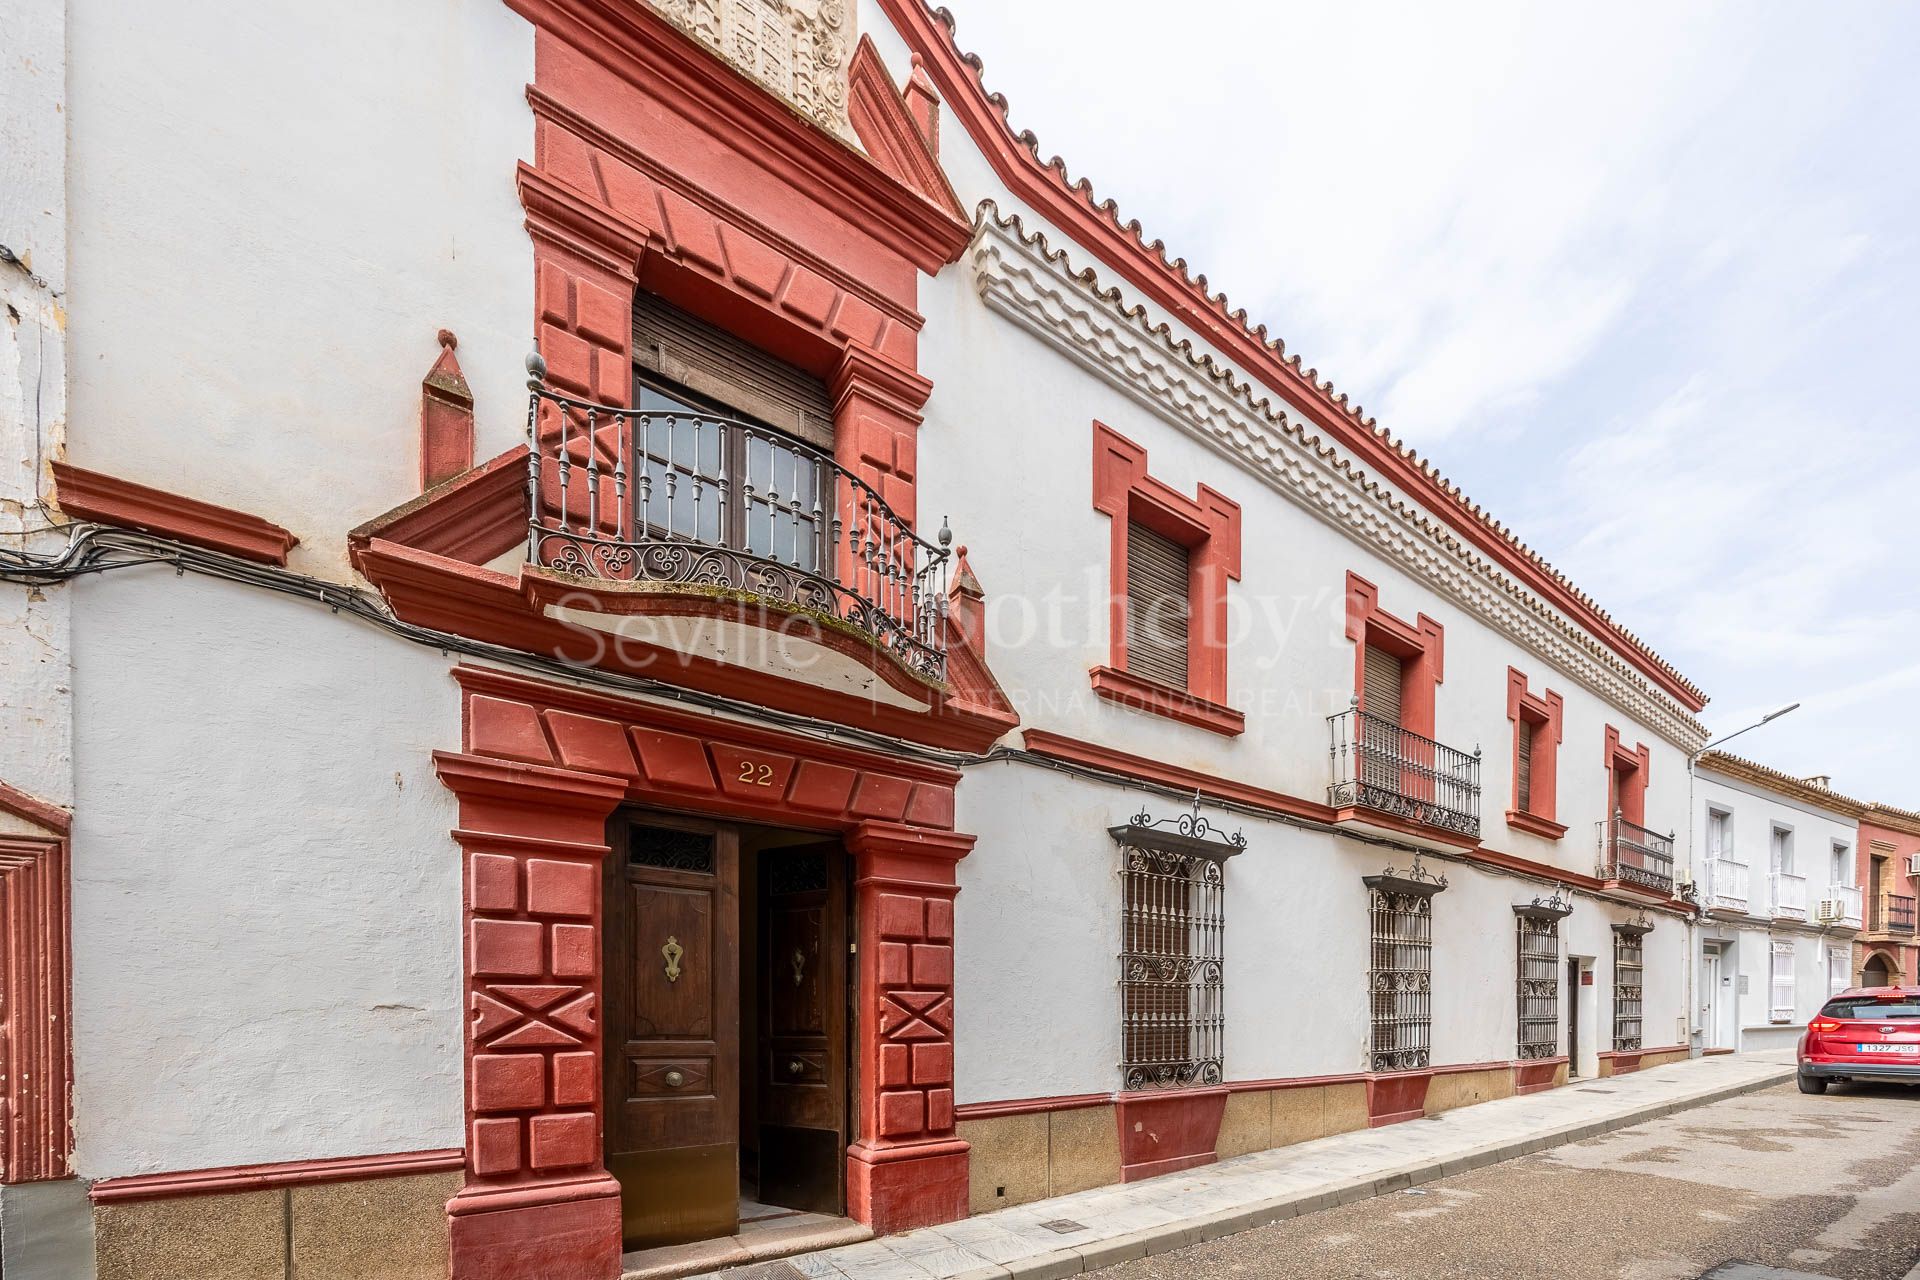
column 1823, row 1024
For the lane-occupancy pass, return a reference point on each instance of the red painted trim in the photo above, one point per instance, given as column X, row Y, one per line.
column 1072, row 207
column 1716, row 1053
column 35, row 810
column 1420, row 646
column 1141, row 768
column 1393, row 1097
column 1295, row 1082
column 1031, row 1106
column 446, row 418
column 1457, row 1068
column 1546, row 713
column 268, row 1177
column 885, row 125
column 646, row 51
column 1466, row 845
column 473, row 517
column 1164, row 700
column 1632, row 769
column 1536, row 1075
column 1208, row 524
column 111, row 500
column 36, row 1008
column 1168, row 1131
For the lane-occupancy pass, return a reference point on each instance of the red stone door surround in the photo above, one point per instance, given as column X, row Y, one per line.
column 543, row 768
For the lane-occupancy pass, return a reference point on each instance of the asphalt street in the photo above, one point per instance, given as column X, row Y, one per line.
column 1813, row 1186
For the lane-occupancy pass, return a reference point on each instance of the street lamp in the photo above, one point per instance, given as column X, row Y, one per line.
column 1768, row 718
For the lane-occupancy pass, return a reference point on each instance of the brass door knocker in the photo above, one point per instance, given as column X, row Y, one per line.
column 799, row 965
column 673, row 951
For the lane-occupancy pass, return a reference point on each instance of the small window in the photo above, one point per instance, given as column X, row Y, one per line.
column 1781, row 1000
column 1401, row 979
column 1523, row 779
column 1539, row 985
column 1842, row 864
column 1719, row 847
column 1782, row 853
column 1628, row 979
column 1159, row 576
column 1172, row 1013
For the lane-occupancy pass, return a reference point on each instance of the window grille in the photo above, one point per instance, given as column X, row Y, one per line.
column 1839, row 969
column 1628, row 977
column 1400, row 980
column 1537, row 948
column 1159, row 572
column 1781, row 998
column 1173, row 932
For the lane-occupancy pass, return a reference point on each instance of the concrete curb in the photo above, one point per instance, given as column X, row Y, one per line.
column 1097, row 1254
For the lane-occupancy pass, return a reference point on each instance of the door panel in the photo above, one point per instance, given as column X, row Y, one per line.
column 803, row 1046
column 672, row 1079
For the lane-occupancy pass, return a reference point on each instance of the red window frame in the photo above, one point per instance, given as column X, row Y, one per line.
column 1545, row 713
column 1627, row 773
column 1208, row 525
column 1420, row 645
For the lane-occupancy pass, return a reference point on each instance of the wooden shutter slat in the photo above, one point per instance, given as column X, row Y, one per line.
column 686, row 349
column 1380, row 693
column 1523, row 792
column 1158, row 577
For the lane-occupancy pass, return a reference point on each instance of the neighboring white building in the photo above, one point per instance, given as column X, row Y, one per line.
column 1777, row 877
column 473, row 838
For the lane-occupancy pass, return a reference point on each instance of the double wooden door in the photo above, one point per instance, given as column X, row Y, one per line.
column 675, row 1004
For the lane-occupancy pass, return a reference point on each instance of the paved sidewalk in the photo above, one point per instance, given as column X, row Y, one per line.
column 1120, row 1223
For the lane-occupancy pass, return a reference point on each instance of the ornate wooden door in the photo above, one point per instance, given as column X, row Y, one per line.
column 673, row 1027
column 803, row 1033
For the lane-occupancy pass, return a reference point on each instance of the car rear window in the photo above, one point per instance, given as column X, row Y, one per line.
column 1867, row 1008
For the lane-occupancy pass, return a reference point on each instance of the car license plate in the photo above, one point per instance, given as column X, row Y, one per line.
column 1890, row 1048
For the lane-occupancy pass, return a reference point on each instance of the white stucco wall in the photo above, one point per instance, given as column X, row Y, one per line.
column 266, row 899
column 274, row 209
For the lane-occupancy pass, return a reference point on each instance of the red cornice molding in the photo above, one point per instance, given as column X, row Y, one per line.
column 1032, row 1106
column 1159, row 699
column 269, row 1177
column 646, row 50
column 1070, row 206
column 35, row 810
column 1533, row 824
column 879, row 115
column 475, row 516
column 111, row 500
column 492, row 778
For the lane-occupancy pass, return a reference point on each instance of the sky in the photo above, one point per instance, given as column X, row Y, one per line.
column 1643, row 279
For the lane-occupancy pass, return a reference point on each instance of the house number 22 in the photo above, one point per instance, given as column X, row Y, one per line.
column 759, row 775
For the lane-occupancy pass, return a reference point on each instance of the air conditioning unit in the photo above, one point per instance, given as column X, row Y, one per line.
column 1831, row 911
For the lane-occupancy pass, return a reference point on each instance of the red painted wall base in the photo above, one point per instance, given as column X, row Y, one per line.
column 574, row 1239
column 1535, row 1075
column 900, row 1188
column 1397, row 1097
column 1167, row 1132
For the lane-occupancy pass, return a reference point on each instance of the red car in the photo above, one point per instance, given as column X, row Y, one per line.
column 1864, row 1033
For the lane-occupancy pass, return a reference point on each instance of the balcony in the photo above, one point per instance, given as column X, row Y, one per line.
column 1632, row 855
column 1381, row 767
column 1789, row 896
column 1894, row 913
column 1727, row 883
column 1840, row 905
column 719, row 511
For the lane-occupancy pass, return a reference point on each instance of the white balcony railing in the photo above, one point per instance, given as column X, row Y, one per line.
column 1840, row 905
column 1789, row 896
column 1726, row 884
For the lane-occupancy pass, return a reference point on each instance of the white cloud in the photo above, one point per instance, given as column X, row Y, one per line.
column 1643, row 277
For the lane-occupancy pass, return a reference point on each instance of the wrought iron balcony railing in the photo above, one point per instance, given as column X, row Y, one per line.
column 1789, row 896
column 1894, row 913
column 705, row 503
column 1380, row 766
column 1727, row 884
column 1631, row 854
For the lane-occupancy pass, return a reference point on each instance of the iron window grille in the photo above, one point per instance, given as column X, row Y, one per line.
column 1537, row 977
column 1629, row 975
column 1172, row 940
column 1400, row 978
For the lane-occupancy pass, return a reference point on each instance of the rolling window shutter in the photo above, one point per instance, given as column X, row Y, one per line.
column 1158, row 571
column 687, row 350
column 1380, row 694
column 1523, row 788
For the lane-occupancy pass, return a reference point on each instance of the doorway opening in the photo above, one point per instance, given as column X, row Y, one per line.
column 728, row 1021
column 1573, row 1018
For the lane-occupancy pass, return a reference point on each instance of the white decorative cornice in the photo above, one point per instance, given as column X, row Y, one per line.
column 1018, row 275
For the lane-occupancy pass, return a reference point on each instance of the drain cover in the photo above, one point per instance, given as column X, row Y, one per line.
column 1064, row 1226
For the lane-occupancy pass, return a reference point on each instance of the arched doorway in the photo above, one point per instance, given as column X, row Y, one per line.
column 1878, row 973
